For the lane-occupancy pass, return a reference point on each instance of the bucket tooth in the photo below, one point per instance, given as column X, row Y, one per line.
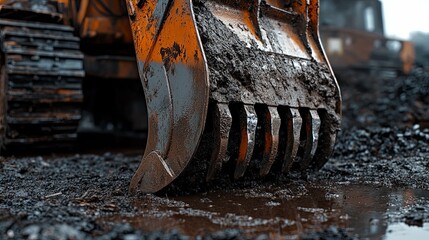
column 293, row 129
column 221, row 127
column 312, row 127
column 271, row 127
column 326, row 144
column 248, row 123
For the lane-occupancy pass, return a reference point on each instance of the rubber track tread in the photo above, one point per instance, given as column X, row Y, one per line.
column 42, row 71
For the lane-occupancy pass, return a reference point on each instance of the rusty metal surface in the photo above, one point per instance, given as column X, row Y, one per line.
column 312, row 128
column 174, row 76
column 293, row 123
column 222, row 121
column 42, row 69
column 247, row 124
column 260, row 64
column 271, row 126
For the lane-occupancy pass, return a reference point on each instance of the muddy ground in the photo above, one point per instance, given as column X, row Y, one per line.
column 376, row 185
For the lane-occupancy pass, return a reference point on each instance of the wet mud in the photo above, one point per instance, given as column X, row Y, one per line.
column 236, row 76
column 276, row 212
column 375, row 186
column 85, row 197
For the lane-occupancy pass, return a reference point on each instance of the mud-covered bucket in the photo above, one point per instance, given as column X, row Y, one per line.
column 251, row 76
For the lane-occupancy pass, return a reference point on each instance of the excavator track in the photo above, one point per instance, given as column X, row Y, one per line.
column 40, row 84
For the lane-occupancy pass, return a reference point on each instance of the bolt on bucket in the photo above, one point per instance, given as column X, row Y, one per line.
column 251, row 76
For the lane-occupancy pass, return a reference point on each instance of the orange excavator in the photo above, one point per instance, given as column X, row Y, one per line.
column 354, row 38
column 231, row 87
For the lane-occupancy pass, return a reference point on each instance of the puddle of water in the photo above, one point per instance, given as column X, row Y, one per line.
column 368, row 211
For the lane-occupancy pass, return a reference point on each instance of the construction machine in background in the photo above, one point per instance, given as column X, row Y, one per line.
column 353, row 36
column 67, row 72
column 232, row 88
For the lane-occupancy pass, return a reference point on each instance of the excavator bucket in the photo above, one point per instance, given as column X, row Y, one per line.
column 250, row 75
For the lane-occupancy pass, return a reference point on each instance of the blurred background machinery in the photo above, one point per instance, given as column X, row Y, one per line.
column 354, row 38
column 69, row 71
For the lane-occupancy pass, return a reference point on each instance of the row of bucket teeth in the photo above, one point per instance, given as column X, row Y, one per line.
column 288, row 134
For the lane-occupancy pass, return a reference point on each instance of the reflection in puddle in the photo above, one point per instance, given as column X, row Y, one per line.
column 368, row 211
